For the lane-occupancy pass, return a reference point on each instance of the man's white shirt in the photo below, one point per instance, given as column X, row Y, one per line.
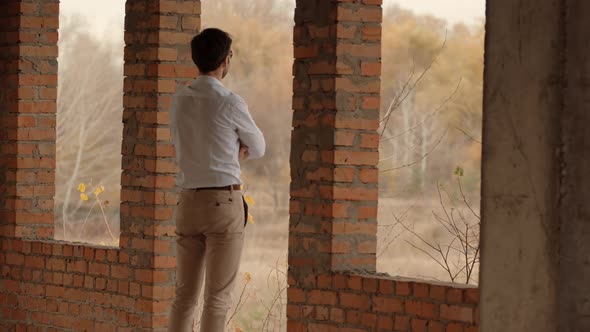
column 207, row 123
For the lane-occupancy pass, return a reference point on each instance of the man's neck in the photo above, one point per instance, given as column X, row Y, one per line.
column 217, row 75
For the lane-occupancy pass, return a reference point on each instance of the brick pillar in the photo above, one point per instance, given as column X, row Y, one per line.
column 157, row 59
column 334, row 145
column 28, row 92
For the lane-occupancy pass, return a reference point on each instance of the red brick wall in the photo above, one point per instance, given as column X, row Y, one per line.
column 47, row 285
column 334, row 173
column 70, row 287
column 361, row 303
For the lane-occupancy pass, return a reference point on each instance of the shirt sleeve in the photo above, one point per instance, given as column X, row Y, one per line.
column 249, row 134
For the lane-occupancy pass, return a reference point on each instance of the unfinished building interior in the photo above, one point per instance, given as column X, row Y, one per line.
column 535, row 271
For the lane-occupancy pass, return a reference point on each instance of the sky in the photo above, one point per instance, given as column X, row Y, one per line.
column 454, row 11
column 105, row 17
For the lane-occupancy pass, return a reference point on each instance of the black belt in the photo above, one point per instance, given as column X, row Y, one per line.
column 232, row 187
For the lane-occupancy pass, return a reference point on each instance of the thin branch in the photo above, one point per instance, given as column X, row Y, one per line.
column 391, row 229
column 427, row 253
column 421, row 158
column 275, row 299
column 444, row 223
column 413, row 87
column 465, row 199
column 420, row 238
column 446, row 261
column 389, row 240
column 85, row 220
column 468, row 135
column 427, row 117
column 473, row 262
column 241, row 302
column 106, row 222
column 395, row 103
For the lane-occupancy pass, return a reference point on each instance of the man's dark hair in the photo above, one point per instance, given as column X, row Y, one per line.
column 209, row 49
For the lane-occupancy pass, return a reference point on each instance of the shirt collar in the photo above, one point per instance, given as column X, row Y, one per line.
column 206, row 79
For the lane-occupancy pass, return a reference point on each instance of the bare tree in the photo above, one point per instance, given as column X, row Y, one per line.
column 459, row 254
column 89, row 132
column 407, row 150
column 420, row 134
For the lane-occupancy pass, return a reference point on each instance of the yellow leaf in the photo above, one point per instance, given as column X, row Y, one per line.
column 98, row 190
column 83, row 197
column 249, row 200
column 81, row 187
column 251, row 219
column 248, row 277
column 106, row 203
column 236, row 327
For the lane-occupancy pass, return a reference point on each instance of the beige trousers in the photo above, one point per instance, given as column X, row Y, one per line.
column 210, row 237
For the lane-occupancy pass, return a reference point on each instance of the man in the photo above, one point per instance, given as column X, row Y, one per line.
column 211, row 131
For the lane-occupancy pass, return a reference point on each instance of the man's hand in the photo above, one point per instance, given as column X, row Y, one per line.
column 244, row 152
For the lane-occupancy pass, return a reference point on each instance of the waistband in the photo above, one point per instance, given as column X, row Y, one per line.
column 228, row 188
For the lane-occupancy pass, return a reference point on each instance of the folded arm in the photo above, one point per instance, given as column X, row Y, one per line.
column 249, row 134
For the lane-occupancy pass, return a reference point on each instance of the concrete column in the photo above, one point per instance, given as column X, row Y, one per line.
column 536, row 190
column 574, row 253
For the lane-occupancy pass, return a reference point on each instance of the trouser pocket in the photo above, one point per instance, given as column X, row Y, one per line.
column 245, row 211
